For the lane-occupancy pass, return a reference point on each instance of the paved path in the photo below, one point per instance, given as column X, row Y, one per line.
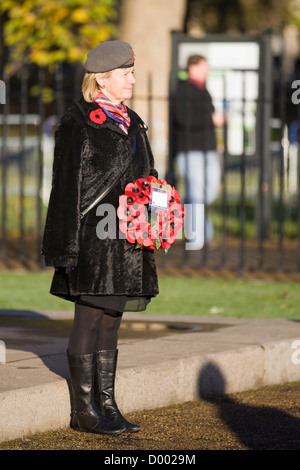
column 263, row 419
column 163, row 360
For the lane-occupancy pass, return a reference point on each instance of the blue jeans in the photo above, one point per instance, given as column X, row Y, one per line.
column 202, row 171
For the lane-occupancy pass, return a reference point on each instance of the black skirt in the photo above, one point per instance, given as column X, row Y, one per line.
column 115, row 303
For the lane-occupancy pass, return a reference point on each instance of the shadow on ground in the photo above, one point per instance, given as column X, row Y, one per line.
column 256, row 427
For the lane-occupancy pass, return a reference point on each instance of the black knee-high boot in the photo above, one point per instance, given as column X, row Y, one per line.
column 106, row 364
column 84, row 416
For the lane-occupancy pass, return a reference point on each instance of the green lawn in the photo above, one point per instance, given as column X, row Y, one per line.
column 178, row 296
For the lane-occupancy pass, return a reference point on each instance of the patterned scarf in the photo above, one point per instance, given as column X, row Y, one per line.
column 116, row 112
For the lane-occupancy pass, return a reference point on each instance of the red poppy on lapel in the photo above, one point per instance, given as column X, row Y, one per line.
column 97, row 116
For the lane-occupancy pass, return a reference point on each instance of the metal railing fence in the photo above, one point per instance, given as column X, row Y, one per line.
column 35, row 100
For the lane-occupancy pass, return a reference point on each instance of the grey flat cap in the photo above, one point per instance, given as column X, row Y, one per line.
column 109, row 55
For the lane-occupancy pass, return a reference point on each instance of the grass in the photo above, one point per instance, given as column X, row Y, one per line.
column 178, row 296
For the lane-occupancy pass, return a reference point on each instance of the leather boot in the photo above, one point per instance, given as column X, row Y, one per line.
column 84, row 416
column 106, row 364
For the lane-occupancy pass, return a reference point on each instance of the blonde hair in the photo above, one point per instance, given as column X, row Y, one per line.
column 90, row 87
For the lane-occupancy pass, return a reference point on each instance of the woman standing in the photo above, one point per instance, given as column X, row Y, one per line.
column 100, row 146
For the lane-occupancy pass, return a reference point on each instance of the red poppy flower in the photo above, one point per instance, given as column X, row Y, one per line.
column 137, row 230
column 138, row 223
column 176, row 224
column 146, row 235
column 176, row 211
column 123, row 211
column 129, row 229
column 145, row 185
column 124, row 214
column 123, row 226
column 175, row 196
column 97, row 116
column 167, row 237
column 130, row 236
column 176, row 215
column 138, row 210
column 135, row 223
column 142, row 198
column 134, row 191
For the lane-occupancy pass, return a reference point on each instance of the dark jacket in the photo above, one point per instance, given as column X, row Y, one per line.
column 87, row 160
column 192, row 119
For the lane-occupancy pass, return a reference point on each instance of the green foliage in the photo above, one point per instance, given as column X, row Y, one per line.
column 45, row 32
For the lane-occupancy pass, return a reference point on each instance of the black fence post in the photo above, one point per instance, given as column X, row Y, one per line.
column 298, row 189
column 24, row 110
column 39, row 186
column 4, row 163
column 59, row 95
column 243, row 184
column 265, row 112
column 224, row 200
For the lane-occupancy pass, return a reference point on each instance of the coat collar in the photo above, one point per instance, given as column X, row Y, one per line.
column 136, row 124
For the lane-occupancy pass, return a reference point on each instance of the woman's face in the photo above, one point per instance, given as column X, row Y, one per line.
column 118, row 87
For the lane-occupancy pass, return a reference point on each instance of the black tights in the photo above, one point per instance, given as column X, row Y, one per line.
column 93, row 330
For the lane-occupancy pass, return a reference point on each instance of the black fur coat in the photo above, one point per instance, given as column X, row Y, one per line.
column 88, row 158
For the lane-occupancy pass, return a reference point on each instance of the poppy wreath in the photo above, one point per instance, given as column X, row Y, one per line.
column 152, row 229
